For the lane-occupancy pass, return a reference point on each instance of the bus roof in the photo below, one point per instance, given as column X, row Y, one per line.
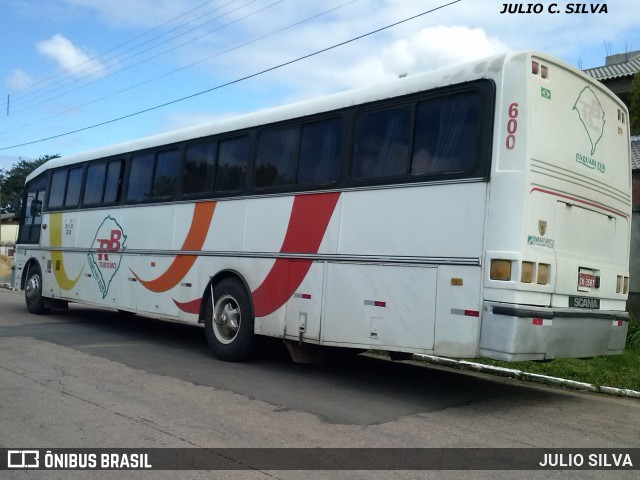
column 483, row 68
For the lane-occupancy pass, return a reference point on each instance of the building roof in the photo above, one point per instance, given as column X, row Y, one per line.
column 635, row 153
column 619, row 70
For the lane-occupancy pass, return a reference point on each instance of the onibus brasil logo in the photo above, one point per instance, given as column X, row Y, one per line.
column 591, row 116
column 104, row 262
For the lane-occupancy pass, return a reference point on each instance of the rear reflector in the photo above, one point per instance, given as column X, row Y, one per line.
column 375, row 303
column 466, row 313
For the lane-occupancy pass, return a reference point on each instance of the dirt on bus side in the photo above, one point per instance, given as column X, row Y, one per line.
column 5, row 266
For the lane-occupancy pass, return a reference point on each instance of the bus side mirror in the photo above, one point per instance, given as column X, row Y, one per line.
column 17, row 208
column 36, row 208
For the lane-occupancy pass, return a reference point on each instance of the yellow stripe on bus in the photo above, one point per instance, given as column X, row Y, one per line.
column 55, row 240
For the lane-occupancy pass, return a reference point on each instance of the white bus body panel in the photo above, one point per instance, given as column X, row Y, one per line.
column 572, row 139
column 396, row 267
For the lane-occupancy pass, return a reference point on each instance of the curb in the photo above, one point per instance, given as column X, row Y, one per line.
column 532, row 377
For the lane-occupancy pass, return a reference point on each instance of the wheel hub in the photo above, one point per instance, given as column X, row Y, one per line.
column 32, row 287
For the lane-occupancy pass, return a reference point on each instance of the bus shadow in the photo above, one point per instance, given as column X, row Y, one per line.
column 358, row 389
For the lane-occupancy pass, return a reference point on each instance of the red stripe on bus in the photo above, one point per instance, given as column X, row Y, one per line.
column 310, row 215
column 579, row 200
column 189, row 307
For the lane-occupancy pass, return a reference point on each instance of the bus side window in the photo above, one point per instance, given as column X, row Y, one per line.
column 276, row 158
column 74, row 185
column 140, row 177
column 113, row 182
column 233, row 159
column 199, row 168
column 446, row 135
column 381, row 147
column 166, row 173
column 320, row 152
column 58, row 186
column 94, row 184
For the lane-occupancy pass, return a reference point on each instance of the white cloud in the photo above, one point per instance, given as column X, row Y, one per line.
column 427, row 49
column 70, row 58
column 18, row 79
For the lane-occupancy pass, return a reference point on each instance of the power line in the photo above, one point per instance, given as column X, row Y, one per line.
column 313, row 17
column 96, row 57
column 66, row 82
column 232, row 82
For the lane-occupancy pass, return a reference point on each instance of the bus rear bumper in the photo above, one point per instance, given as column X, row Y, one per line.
column 519, row 332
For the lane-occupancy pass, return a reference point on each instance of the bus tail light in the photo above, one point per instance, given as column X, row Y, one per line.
column 500, row 270
column 619, row 284
column 526, row 273
column 625, row 285
column 543, row 274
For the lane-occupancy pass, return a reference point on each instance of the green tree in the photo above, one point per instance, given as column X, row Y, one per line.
column 634, row 105
column 12, row 180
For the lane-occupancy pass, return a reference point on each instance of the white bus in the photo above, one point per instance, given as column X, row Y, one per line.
column 477, row 210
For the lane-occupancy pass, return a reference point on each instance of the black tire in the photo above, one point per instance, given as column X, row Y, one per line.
column 231, row 337
column 33, row 291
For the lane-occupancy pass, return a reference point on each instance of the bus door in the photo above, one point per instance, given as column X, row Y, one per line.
column 31, row 221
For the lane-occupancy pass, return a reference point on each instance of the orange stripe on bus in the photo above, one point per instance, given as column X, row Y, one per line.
column 202, row 215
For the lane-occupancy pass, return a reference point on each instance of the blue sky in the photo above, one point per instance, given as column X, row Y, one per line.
column 69, row 64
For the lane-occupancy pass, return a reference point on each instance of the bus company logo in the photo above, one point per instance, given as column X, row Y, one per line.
column 104, row 262
column 591, row 115
column 542, row 227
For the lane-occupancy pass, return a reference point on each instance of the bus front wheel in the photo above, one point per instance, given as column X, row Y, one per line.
column 229, row 323
column 33, row 292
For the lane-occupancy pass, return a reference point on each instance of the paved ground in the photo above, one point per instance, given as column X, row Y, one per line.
column 91, row 378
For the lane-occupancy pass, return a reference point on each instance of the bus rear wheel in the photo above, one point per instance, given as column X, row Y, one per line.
column 229, row 323
column 33, row 292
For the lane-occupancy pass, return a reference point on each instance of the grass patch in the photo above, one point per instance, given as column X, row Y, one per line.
column 621, row 371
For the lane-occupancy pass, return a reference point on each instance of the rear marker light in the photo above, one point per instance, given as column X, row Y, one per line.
column 544, row 72
column 543, row 274
column 536, row 321
column 526, row 275
column 500, row 270
column 535, row 67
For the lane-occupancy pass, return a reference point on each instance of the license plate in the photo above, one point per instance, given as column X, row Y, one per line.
column 586, row 280
column 584, row 302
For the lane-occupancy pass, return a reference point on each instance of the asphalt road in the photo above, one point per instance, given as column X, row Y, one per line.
column 88, row 377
